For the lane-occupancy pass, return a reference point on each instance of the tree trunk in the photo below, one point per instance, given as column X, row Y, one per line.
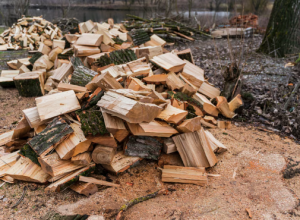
column 282, row 35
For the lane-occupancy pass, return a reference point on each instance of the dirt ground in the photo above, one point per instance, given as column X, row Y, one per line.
column 259, row 172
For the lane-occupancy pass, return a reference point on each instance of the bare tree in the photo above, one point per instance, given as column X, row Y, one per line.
column 258, row 6
column 21, row 7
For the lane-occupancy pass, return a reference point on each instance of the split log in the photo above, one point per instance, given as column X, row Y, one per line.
column 191, row 175
column 143, row 147
column 96, row 181
column 54, row 53
column 82, row 159
column 154, row 128
column 169, row 62
column 209, row 90
column 208, row 107
column 59, row 43
column 55, row 166
column 22, row 129
column 141, row 96
column 62, row 72
column 29, row 84
column 75, row 144
column 24, row 169
column 186, row 55
column 66, row 87
column 115, row 126
column 172, row 115
column 235, row 103
column 193, row 73
column 105, row 140
column 169, row 146
column 188, row 88
column 174, row 82
column 44, row 49
column 223, row 107
column 138, row 69
column 43, row 63
column 93, row 40
column 103, row 154
column 24, row 69
column 190, row 125
column 86, row 189
column 105, row 81
column 128, row 109
column 156, row 79
column 207, row 124
column 121, row 162
column 115, row 71
column 24, row 61
column 83, row 51
column 148, row 52
column 56, row 131
column 70, row 179
column 210, row 119
column 57, row 104
column 6, row 79
column 137, row 85
column 195, row 150
column 82, row 76
column 156, row 41
column 32, row 116
column 215, row 144
column 12, row 64
column 7, row 161
column 170, row 159
column 224, row 124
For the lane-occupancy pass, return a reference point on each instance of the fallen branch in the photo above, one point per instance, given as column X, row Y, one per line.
column 292, row 95
column 138, row 200
column 22, row 197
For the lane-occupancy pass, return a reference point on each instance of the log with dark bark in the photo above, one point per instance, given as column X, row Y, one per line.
column 81, row 75
column 139, row 36
column 56, row 131
column 29, row 84
column 233, row 83
column 144, row 147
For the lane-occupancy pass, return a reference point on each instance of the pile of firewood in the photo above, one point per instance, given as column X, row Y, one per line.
column 113, row 104
column 29, row 32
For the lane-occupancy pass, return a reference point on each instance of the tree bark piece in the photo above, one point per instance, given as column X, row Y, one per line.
column 172, row 115
column 169, row 62
column 223, row 107
column 190, row 125
column 24, row 169
column 86, row 189
column 96, row 181
column 75, row 144
column 195, row 150
column 70, row 179
column 121, row 162
column 154, row 129
column 55, row 166
column 57, row 104
column 83, row 159
column 115, row 126
column 128, row 109
column 93, row 40
column 144, row 147
column 103, row 154
column 56, row 131
column 29, row 84
column 175, row 174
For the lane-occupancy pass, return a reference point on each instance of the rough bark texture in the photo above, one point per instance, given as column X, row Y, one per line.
column 144, row 147
column 92, row 122
column 139, row 36
column 52, row 135
column 122, row 56
column 29, row 87
column 35, row 57
column 27, row 151
column 282, row 35
column 82, row 76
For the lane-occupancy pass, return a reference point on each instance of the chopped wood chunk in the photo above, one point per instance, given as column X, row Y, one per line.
column 96, row 181
column 191, row 175
column 156, row 79
column 86, row 39
column 82, row 159
column 169, row 146
column 209, row 90
column 235, row 103
column 172, row 115
column 190, row 125
column 86, row 189
column 215, row 144
column 103, row 154
column 174, row 82
column 193, row 73
column 223, row 107
column 66, row 87
column 169, row 62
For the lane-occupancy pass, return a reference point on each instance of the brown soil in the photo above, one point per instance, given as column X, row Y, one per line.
column 251, row 177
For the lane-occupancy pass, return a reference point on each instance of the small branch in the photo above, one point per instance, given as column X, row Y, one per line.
column 22, row 197
column 292, row 95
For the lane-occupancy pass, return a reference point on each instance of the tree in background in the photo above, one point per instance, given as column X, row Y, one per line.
column 283, row 31
column 21, row 7
column 258, row 6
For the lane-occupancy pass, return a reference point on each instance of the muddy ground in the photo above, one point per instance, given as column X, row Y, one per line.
column 259, row 172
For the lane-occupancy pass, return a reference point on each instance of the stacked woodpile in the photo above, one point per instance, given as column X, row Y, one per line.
column 29, row 32
column 103, row 103
column 244, row 21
